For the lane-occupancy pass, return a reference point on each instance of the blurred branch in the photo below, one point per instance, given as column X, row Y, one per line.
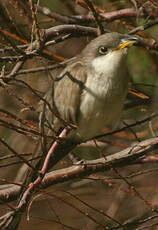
column 64, row 29
column 83, row 19
column 24, row 131
column 12, row 217
column 79, row 210
column 147, row 119
column 93, row 208
column 39, row 69
column 9, row 115
column 128, row 156
column 17, row 154
column 96, row 16
column 17, row 67
column 144, row 27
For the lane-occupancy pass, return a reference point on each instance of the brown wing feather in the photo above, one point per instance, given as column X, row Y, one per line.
column 68, row 91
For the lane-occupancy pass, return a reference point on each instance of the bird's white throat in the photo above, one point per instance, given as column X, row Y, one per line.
column 103, row 97
column 107, row 64
column 107, row 73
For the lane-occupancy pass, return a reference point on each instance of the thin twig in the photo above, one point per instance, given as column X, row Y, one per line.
column 125, row 157
column 96, row 16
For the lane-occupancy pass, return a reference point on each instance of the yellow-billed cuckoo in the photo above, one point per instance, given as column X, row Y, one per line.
column 90, row 91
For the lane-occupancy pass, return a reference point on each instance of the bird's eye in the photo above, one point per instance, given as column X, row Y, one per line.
column 102, row 50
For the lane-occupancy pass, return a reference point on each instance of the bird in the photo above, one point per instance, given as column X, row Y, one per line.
column 89, row 92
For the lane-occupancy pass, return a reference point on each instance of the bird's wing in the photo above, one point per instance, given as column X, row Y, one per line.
column 67, row 92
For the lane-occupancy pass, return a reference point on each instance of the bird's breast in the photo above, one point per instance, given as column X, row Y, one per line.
column 101, row 102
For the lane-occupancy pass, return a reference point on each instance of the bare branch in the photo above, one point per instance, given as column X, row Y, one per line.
column 125, row 157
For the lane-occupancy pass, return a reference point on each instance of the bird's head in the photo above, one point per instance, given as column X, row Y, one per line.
column 108, row 45
column 107, row 53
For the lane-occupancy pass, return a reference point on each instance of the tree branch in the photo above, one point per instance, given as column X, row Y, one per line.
column 125, row 157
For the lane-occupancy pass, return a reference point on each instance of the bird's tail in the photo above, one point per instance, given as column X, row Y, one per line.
column 61, row 149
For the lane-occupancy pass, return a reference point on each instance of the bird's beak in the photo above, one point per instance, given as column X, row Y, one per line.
column 127, row 42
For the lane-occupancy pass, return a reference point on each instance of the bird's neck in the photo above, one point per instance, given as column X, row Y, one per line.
column 109, row 71
column 109, row 64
